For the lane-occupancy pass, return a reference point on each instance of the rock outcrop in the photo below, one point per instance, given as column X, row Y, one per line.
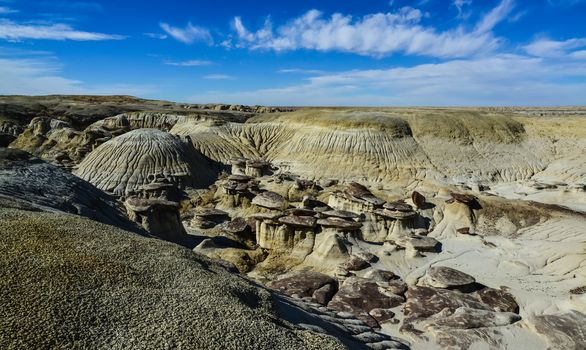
column 125, row 163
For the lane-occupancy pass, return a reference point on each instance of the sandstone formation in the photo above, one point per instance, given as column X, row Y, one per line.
column 125, row 163
column 448, row 228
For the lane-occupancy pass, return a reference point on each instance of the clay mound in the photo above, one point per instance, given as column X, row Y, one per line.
column 70, row 282
column 26, row 181
column 129, row 161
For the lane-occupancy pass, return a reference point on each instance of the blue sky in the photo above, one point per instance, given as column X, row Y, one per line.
column 369, row 52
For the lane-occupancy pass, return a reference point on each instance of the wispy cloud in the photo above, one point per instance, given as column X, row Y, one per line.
column 189, row 34
column 189, row 63
column 378, row 34
column 219, row 77
column 7, row 10
column 477, row 81
column 157, row 36
column 301, row 71
column 551, row 48
column 13, row 31
column 460, row 4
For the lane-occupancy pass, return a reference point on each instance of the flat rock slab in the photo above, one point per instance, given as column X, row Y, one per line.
column 239, row 178
column 340, row 224
column 398, row 206
column 418, row 199
column 446, row 277
column 270, row 200
column 209, row 213
column 298, row 221
column 343, row 214
column 395, row 214
column 419, row 243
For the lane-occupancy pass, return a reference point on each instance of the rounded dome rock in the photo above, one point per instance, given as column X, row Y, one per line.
column 129, row 161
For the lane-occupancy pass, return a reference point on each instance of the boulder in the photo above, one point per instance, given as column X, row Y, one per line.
column 355, row 263
column 237, row 225
column 381, row 315
column 359, row 296
column 361, row 192
column 382, row 276
column 270, row 200
column 307, row 284
column 446, row 277
column 497, row 299
column 418, row 243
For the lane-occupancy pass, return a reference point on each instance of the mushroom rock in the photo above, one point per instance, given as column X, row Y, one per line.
column 270, row 200
column 418, row 199
column 309, row 202
column 238, row 166
column 300, row 212
column 342, row 214
column 256, row 167
column 124, row 163
column 158, row 216
column 356, row 198
column 417, row 243
column 468, row 199
column 205, row 218
column 385, row 224
column 446, row 277
column 359, row 191
column 339, row 224
column 298, row 221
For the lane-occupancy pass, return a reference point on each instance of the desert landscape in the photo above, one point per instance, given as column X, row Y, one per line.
column 133, row 223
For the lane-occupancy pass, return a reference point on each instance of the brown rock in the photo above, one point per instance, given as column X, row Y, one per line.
column 270, row 200
column 423, row 302
column 446, row 277
column 359, row 296
column 307, row 284
column 355, row 263
column 343, row 214
column 382, row 315
column 497, row 299
column 298, row 221
column 340, row 224
column 418, row 199
column 237, row 225
column 562, row 331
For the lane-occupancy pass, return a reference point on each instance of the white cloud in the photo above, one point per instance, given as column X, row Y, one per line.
column 495, row 16
column 494, row 80
column 13, row 31
column 219, row 77
column 6, row 10
column 189, row 34
column 378, row 34
column 189, row 63
column 552, row 48
column 157, row 36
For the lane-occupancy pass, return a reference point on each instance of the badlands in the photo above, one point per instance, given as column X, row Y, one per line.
column 130, row 223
